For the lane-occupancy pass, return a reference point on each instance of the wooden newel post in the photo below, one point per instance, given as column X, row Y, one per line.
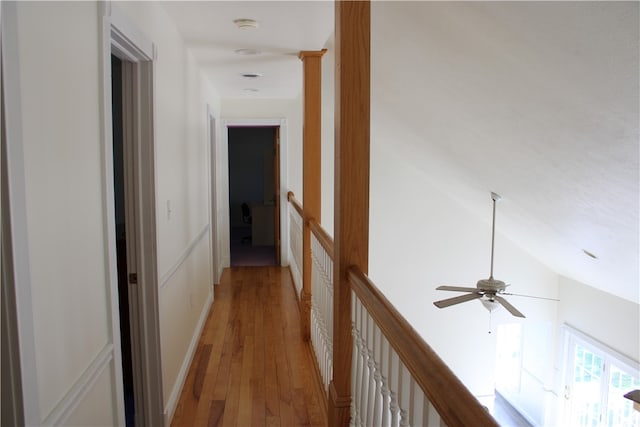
column 351, row 224
column 311, row 184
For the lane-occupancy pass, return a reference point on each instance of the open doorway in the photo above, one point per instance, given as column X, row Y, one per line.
column 254, row 181
column 121, row 238
column 130, row 208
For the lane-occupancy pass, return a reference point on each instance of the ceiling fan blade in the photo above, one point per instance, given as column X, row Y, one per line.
column 455, row 288
column 456, row 300
column 528, row 296
column 509, row 307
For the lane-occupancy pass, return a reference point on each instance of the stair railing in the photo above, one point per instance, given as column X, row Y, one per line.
column 397, row 380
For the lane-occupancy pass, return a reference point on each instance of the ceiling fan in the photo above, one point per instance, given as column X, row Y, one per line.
column 488, row 291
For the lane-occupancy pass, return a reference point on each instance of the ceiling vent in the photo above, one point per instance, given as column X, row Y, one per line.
column 251, row 75
column 246, row 24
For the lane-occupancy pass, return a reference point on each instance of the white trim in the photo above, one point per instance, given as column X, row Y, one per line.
column 126, row 41
column 284, row 175
column 172, row 403
column 632, row 365
column 187, row 252
column 109, row 229
column 18, row 214
column 213, row 150
column 79, row 390
column 129, row 44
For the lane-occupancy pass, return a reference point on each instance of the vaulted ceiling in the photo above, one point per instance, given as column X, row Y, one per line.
column 538, row 101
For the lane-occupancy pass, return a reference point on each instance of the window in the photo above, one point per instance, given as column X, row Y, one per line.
column 596, row 379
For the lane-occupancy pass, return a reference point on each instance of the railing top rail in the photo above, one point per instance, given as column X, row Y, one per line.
column 323, row 237
column 296, row 204
column 453, row 401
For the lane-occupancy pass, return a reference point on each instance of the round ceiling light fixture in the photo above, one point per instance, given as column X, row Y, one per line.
column 246, row 24
column 247, row 51
column 251, row 75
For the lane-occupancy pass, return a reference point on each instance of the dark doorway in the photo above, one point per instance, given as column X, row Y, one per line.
column 121, row 237
column 253, row 195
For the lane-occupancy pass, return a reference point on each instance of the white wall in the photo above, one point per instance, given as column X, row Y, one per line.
column 59, row 51
column 59, row 75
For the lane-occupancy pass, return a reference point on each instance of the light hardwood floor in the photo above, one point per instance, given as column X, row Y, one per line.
column 251, row 367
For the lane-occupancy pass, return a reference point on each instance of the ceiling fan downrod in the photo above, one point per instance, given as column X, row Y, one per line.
column 496, row 198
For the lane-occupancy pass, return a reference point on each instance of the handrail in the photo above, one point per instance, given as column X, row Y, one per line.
column 451, row 399
column 323, row 237
column 296, row 204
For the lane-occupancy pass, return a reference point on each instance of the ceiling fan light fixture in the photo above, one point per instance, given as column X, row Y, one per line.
column 246, row 23
column 490, row 305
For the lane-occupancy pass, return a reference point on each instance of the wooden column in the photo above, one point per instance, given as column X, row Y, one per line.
column 351, row 228
column 311, row 185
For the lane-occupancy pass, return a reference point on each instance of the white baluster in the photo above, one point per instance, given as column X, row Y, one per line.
column 419, row 403
column 394, row 386
column 433, row 417
column 356, row 376
column 364, row 378
column 377, row 375
column 404, row 395
column 384, row 369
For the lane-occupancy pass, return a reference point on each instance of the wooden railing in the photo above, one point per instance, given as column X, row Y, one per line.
column 296, row 222
column 396, row 378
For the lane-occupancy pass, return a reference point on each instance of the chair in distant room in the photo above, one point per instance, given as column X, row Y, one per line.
column 246, row 219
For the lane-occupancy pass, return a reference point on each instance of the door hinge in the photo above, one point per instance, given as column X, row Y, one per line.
column 133, row 278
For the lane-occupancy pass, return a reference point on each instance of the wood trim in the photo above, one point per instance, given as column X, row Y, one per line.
column 323, row 237
column 453, row 401
column 351, row 191
column 311, row 160
column 295, row 203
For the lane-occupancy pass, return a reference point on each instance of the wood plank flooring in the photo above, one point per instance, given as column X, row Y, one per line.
column 251, row 367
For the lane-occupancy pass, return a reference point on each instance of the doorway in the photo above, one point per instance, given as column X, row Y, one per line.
column 254, row 195
column 130, row 209
column 119, row 178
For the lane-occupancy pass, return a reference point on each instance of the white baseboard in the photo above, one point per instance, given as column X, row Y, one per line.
column 172, row 403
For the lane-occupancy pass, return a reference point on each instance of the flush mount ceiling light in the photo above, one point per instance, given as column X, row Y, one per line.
column 246, row 24
column 251, row 75
column 247, row 51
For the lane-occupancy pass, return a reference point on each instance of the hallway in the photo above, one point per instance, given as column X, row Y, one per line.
column 251, row 367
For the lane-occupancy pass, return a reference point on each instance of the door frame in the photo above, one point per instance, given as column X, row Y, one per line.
column 214, row 238
column 282, row 190
column 122, row 39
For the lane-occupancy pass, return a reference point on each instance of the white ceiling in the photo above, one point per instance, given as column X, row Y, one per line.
column 538, row 101
column 285, row 28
